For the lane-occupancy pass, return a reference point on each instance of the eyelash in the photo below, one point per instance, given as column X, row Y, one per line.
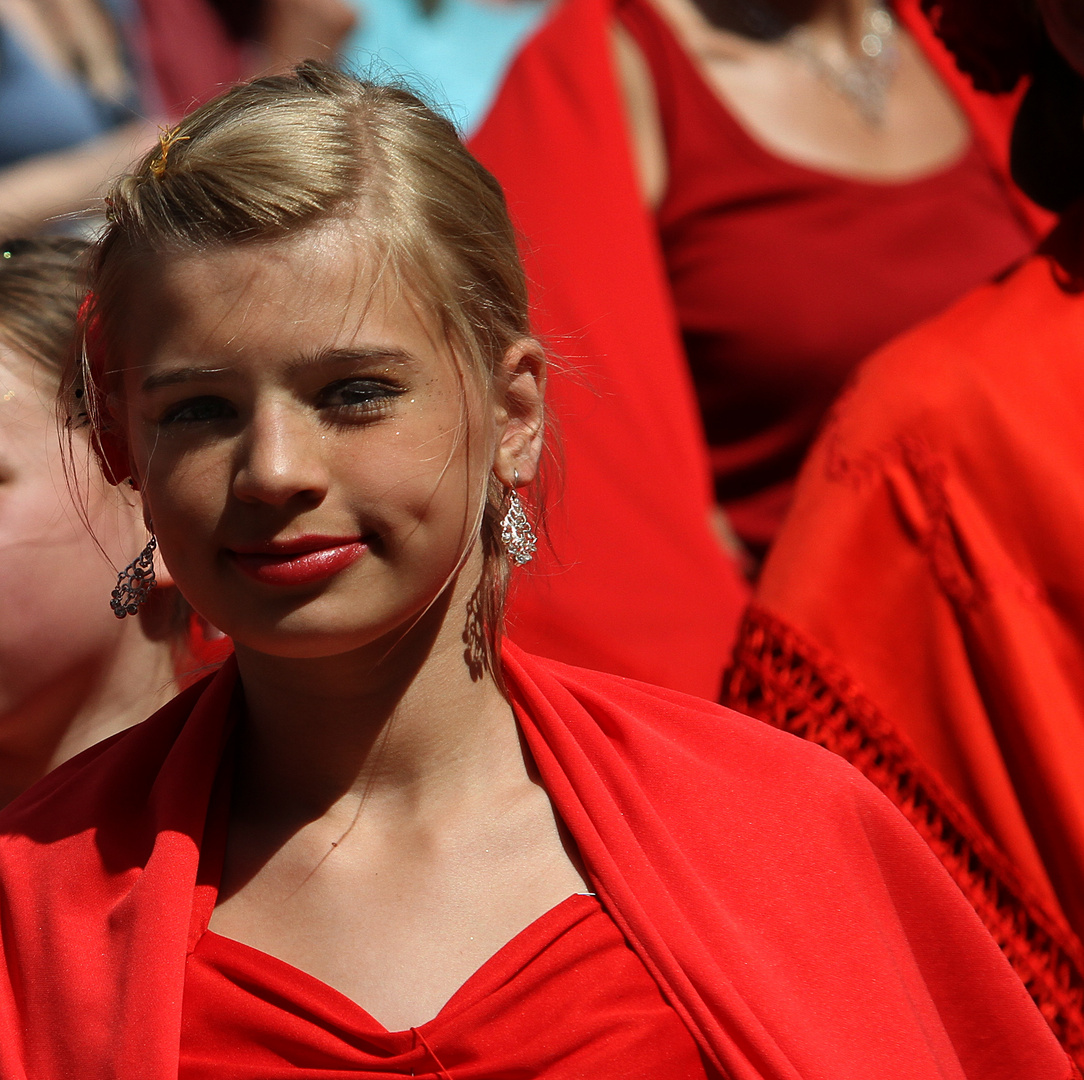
column 176, row 414
column 375, row 395
column 371, row 396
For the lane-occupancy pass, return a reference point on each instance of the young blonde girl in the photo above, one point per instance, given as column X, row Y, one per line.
column 381, row 841
column 70, row 674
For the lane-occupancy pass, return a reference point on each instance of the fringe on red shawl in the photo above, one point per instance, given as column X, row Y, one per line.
column 781, row 677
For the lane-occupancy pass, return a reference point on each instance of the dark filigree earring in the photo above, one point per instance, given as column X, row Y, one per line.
column 516, row 532
column 134, row 582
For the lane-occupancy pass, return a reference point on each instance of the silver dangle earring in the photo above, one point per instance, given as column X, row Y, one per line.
column 134, row 582
column 516, row 533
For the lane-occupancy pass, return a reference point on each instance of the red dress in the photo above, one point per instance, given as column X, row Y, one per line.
column 639, row 585
column 923, row 610
column 785, row 277
column 793, row 921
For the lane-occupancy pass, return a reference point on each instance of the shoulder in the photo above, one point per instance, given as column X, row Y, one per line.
column 690, row 739
column 634, row 769
column 114, row 779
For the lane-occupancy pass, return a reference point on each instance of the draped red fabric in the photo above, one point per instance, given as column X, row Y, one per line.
column 794, row 920
column 639, row 585
column 929, row 581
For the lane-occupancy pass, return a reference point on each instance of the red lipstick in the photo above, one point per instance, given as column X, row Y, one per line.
column 300, row 561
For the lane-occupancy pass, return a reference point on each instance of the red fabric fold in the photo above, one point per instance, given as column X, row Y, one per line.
column 790, row 915
column 933, row 552
column 640, row 585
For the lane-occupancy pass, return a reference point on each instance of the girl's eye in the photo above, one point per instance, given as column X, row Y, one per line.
column 362, row 395
column 198, row 410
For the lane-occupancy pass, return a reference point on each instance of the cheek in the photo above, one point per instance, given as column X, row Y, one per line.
column 427, row 488
column 184, row 491
column 58, row 583
column 185, row 504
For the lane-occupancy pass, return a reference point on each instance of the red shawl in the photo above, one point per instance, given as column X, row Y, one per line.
column 797, row 924
column 640, row 585
column 923, row 611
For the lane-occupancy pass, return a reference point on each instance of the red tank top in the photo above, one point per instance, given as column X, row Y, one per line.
column 785, row 277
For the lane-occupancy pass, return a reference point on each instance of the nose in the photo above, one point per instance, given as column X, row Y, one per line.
column 281, row 458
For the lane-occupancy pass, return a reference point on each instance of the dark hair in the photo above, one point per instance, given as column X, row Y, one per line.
column 995, row 42
column 41, row 288
column 1000, row 42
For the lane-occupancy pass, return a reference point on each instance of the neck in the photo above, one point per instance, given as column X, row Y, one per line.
column 770, row 20
column 405, row 722
column 84, row 704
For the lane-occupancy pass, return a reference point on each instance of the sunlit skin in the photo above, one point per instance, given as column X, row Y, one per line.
column 70, row 673
column 386, row 833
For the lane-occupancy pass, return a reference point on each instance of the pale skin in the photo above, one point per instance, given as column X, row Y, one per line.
column 63, row 36
column 70, row 672
column 791, row 111
column 387, row 833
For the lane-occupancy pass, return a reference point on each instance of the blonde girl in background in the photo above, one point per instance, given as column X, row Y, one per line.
column 70, row 672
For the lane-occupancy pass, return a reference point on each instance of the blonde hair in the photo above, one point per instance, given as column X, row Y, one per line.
column 41, row 288
column 293, row 151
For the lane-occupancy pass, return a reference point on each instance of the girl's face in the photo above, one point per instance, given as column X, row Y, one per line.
column 310, row 455
column 56, row 629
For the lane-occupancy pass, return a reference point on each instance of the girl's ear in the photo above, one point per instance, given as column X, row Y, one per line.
column 521, row 415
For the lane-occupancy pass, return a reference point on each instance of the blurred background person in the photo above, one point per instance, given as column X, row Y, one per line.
column 455, row 52
column 72, row 109
column 821, row 179
column 197, row 48
column 922, row 612
column 721, row 215
column 85, row 84
column 71, row 673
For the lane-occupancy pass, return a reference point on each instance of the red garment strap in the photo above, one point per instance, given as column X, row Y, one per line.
column 991, row 115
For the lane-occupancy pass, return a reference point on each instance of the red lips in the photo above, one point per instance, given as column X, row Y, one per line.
column 300, row 561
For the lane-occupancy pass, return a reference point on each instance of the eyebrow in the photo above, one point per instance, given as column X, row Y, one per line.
column 358, row 353
column 174, row 376
column 179, row 375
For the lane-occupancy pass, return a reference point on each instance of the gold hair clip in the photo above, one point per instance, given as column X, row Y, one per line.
column 166, row 138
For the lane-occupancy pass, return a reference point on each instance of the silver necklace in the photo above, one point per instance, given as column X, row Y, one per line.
column 864, row 80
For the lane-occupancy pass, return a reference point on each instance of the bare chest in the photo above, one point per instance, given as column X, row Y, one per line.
column 397, row 920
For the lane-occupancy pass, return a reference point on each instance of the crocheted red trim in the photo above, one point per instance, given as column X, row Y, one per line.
column 781, row 677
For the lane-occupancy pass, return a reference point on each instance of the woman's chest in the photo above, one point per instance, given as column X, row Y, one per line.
column 396, row 918
column 564, row 998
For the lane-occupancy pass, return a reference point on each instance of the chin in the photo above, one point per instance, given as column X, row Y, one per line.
column 305, row 639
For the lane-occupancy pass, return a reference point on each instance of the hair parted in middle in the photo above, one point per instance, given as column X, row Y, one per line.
column 289, row 152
